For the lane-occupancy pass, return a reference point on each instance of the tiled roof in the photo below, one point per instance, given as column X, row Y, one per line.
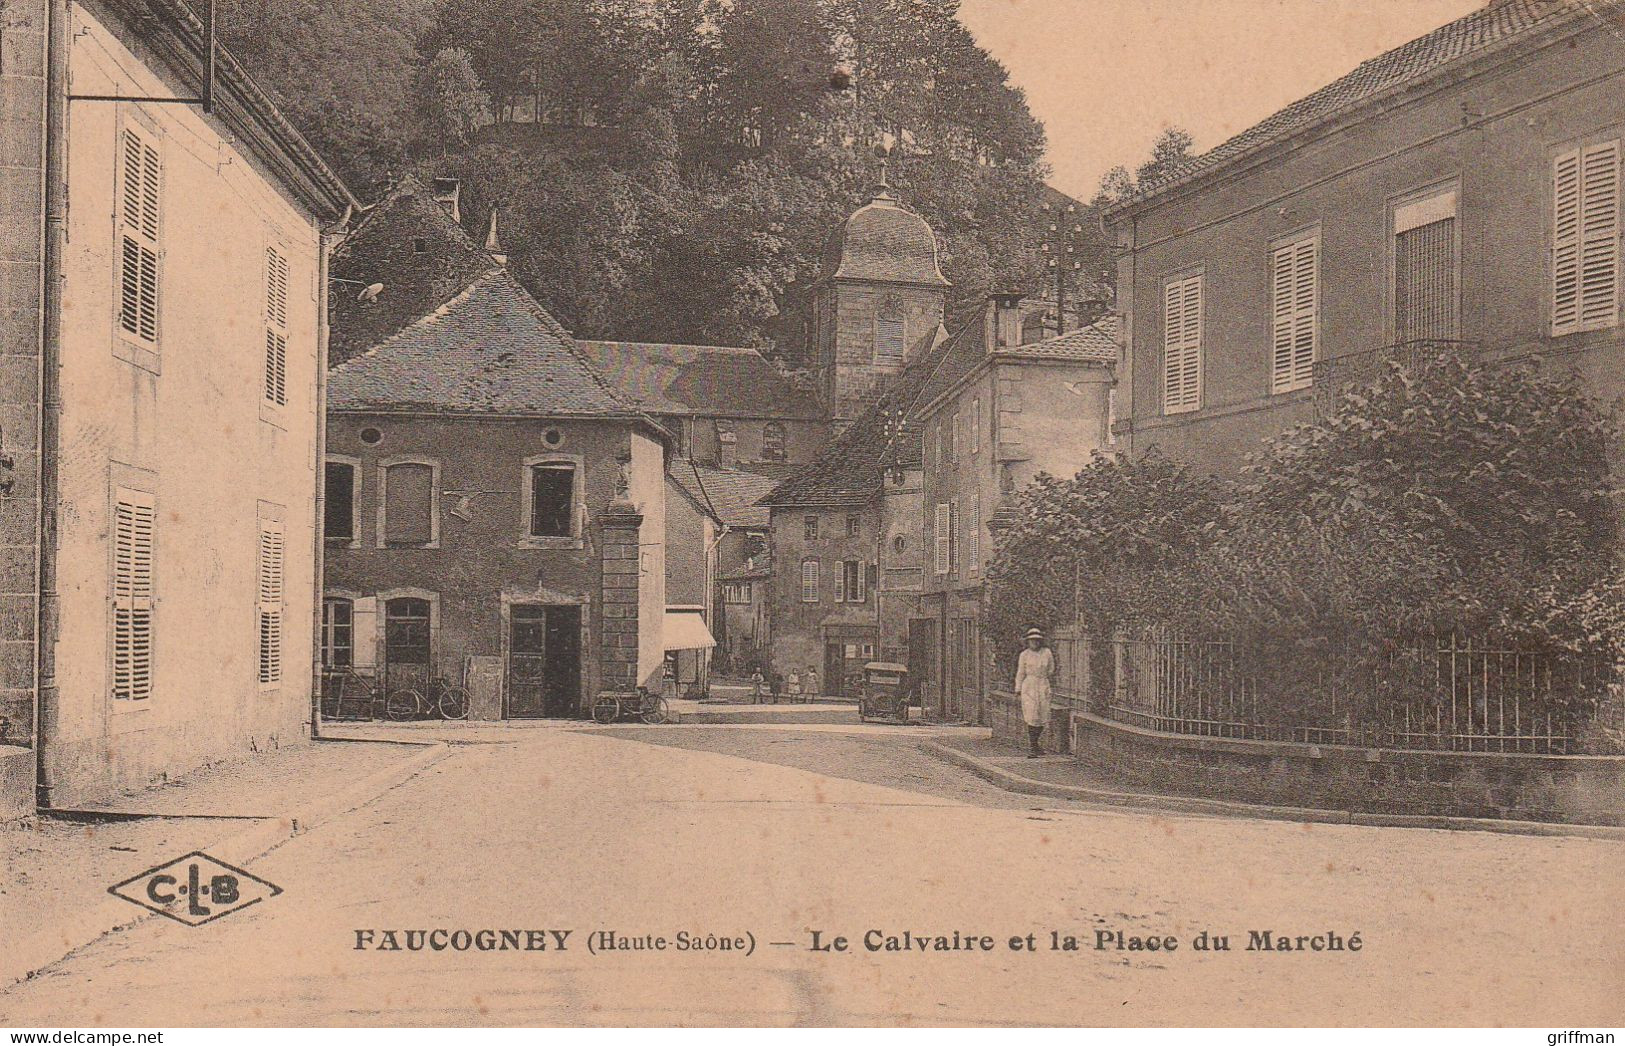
column 1482, row 29
column 883, row 240
column 708, row 380
column 754, row 569
column 733, row 494
column 490, row 350
column 851, row 470
column 1096, row 343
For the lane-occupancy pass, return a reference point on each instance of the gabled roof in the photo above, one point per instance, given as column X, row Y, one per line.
column 1494, row 24
column 732, row 495
column 1094, row 344
column 701, row 380
column 490, row 350
column 852, row 469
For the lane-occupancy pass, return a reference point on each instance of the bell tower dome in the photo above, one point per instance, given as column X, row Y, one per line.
column 881, row 293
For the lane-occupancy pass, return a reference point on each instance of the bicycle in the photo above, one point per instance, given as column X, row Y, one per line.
column 651, row 708
column 344, row 688
column 447, row 700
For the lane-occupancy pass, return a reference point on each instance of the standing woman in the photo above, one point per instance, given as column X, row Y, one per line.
column 1034, row 669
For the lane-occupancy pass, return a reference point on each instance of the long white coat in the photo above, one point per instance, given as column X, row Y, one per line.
column 1033, row 671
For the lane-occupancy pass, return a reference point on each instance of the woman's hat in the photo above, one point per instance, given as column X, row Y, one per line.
column 1034, row 633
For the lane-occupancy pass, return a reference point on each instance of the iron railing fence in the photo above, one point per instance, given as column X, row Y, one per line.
column 1444, row 693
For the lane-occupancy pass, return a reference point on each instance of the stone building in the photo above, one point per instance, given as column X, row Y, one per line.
column 997, row 412
column 1460, row 193
column 164, row 279
column 495, row 511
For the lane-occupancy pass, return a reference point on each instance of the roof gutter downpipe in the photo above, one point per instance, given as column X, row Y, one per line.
column 46, row 705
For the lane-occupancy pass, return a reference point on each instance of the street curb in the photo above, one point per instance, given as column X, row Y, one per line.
column 1013, row 782
column 26, row 957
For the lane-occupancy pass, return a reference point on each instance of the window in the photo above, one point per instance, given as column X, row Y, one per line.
column 854, row 526
column 1182, row 345
column 272, row 541
column 552, row 499
column 1294, row 290
column 943, row 536
column 338, row 501
column 1111, row 414
column 973, row 537
column 338, row 633
column 140, row 180
column 773, row 442
column 1425, row 266
column 1585, row 238
column 945, row 447
column 851, row 586
column 976, row 425
column 809, row 581
column 134, row 518
column 276, row 327
column 890, row 333
column 954, row 539
column 810, row 528
column 958, row 447
column 409, row 502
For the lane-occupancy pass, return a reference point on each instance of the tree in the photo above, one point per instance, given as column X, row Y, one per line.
column 1169, row 152
column 450, row 100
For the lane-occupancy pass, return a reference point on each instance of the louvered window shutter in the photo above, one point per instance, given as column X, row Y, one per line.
column 1182, row 345
column 139, row 215
column 809, row 581
column 973, row 536
column 134, row 516
column 1585, row 238
column 1295, row 286
column 270, row 601
column 276, row 327
column 941, row 537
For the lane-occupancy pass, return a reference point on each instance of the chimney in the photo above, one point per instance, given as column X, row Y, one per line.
column 1006, row 321
column 493, row 246
column 448, row 193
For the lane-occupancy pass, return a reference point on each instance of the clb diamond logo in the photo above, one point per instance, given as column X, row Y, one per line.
column 195, row 889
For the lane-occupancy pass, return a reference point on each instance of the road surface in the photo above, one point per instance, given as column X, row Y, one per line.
column 777, row 832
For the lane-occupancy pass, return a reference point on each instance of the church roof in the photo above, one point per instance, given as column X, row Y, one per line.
column 702, row 380
column 884, row 241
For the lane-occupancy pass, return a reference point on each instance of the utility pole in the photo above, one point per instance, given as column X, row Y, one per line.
column 1066, row 244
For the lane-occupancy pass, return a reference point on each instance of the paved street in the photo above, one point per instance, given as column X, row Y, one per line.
column 779, row 830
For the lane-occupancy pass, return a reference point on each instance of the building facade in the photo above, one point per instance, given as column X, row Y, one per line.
column 1458, row 194
column 495, row 512
column 165, row 281
column 996, row 414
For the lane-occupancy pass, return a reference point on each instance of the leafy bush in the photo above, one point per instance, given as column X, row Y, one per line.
column 1114, row 545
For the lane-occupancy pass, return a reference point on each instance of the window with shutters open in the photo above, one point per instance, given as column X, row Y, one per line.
column 1585, row 238
column 942, row 537
column 139, row 218
column 1182, row 345
column 1426, row 268
column 276, row 327
column 134, row 517
column 269, row 603
column 1294, row 294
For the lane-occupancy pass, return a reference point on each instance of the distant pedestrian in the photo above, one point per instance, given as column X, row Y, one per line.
column 1034, row 670
column 813, row 693
column 792, row 687
column 758, row 686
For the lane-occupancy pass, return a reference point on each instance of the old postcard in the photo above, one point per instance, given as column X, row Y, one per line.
column 823, row 513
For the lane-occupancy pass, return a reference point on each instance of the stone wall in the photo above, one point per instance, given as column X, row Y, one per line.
column 1002, row 710
column 1562, row 789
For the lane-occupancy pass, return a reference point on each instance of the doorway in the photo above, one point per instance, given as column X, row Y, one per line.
column 544, row 662
column 407, row 645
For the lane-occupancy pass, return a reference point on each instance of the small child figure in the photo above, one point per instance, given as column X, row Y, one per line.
column 792, row 687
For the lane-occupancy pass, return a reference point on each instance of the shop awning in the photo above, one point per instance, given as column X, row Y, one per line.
column 685, row 629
